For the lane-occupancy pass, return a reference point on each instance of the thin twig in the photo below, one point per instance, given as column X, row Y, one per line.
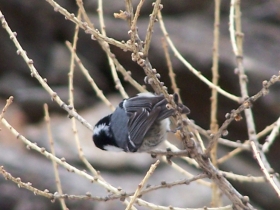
column 142, row 183
column 240, row 147
column 148, row 189
column 269, row 140
column 84, row 25
column 55, row 166
column 43, row 82
column 27, row 185
column 231, row 154
column 199, row 140
column 186, row 173
column 66, row 165
column 178, row 153
column 84, row 14
column 71, row 100
column 171, row 73
column 187, row 159
column 153, row 16
column 231, row 27
column 126, row 74
column 118, row 84
column 246, row 105
column 242, row 178
column 223, row 141
column 98, row 92
column 216, row 193
column 88, row 196
column 234, row 144
column 215, row 72
column 61, row 161
column 158, row 207
column 8, row 103
column 135, row 41
column 175, row 183
column 190, row 67
column 129, row 9
column 258, row 154
column 152, row 77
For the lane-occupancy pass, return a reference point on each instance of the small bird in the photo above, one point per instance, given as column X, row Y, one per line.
column 139, row 124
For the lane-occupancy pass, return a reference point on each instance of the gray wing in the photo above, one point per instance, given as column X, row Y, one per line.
column 139, row 124
column 143, row 112
column 149, row 103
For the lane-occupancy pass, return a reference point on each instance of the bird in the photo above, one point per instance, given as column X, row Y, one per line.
column 138, row 124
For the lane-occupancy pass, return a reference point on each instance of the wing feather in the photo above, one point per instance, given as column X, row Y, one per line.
column 143, row 112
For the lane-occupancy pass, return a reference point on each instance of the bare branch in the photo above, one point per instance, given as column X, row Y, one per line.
column 99, row 92
column 259, row 155
column 171, row 73
column 117, row 81
column 269, row 140
column 190, row 67
column 84, row 25
column 246, row 105
column 34, row 73
column 142, row 183
column 27, row 185
column 55, row 166
column 153, row 16
column 8, row 103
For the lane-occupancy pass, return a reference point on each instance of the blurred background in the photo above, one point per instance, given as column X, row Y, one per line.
column 43, row 32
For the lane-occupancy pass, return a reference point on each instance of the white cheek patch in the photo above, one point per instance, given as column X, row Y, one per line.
column 101, row 127
column 112, row 148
